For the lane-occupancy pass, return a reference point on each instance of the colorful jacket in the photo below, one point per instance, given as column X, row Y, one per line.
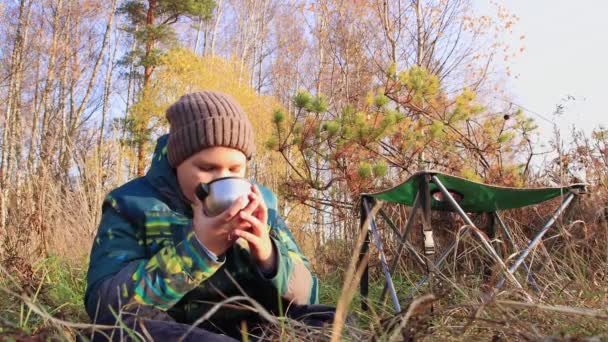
column 146, row 253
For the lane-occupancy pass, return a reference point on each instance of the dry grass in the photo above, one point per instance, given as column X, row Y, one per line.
column 43, row 298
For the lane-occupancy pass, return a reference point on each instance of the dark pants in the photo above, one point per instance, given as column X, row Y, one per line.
column 165, row 330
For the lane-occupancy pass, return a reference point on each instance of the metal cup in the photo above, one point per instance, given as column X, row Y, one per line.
column 219, row 194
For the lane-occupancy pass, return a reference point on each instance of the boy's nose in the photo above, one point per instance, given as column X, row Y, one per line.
column 222, row 173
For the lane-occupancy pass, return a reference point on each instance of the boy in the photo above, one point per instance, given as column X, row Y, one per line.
column 159, row 259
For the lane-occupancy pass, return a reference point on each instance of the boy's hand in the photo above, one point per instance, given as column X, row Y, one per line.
column 258, row 235
column 215, row 232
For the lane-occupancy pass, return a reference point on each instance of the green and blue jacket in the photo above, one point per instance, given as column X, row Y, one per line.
column 146, row 254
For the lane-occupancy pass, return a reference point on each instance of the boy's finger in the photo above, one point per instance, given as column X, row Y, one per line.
column 256, row 225
column 254, row 202
column 243, row 225
column 261, row 211
column 234, row 209
column 257, row 192
column 251, row 238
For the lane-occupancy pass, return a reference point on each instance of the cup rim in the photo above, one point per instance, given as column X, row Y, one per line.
column 228, row 177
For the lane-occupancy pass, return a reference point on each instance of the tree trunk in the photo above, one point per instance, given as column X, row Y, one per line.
column 198, row 36
column 63, row 89
column 77, row 114
column 50, row 79
column 12, row 113
column 206, row 37
column 320, row 34
column 419, row 61
column 384, row 14
column 149, row 41
column 420, row 35
column 218, row 15
column 130, row 95
column 99, row 182
column 106, row 95
column 262, row 40
column 36, row 111
column 148, row 69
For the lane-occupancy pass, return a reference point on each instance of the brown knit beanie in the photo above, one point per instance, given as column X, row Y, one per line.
column 207, row 119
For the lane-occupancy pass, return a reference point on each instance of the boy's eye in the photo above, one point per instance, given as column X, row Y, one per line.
column 235, row 169
column 205, row 168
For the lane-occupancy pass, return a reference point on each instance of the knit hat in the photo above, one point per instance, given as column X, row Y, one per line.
column 207, row 119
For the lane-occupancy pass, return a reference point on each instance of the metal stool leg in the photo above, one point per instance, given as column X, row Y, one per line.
column 536, row 240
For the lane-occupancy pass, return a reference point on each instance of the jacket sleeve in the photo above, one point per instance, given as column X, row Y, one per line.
column 120, row 273
column 293, row 278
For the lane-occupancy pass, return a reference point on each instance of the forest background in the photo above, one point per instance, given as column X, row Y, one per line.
column 345, row 97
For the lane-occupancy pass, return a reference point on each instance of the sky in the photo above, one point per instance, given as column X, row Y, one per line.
column 566, row 53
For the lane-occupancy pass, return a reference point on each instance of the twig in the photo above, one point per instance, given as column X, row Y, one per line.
column 557, row 308
column 260, row 311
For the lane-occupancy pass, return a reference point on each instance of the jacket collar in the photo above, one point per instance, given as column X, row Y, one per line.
column 164, row 178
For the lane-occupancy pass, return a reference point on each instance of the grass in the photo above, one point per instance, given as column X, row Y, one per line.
column 43, row 297
column 54, row 286
column 457, row 314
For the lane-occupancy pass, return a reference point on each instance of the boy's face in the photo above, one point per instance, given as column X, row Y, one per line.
column 209, row 164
